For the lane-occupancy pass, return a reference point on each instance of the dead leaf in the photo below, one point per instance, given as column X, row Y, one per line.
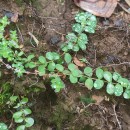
column 128, row 2
column 98, row 99
column 14, row 18
column 103, row 8
column 78, row 62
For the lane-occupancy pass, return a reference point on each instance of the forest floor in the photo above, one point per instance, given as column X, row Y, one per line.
column 72, row 109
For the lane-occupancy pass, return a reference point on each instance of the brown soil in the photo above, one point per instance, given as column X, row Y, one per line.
column 49, row 21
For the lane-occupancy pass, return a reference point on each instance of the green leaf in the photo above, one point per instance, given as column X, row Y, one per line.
column 99, row 73
column 17, row 114
column 126, row 94
column 66, row 72
column 30, row 57
column 49, row 55
column 42, row 59
column 72, row 67
column 77, row 28
column 82, row 45
column 57, row 84
column 71, row 37
column 3, row 126
column 56, row 56
column 51, row 66
column 13, row 98
column 89, row 83
column 88, row 15
column 18, row 120
column 31, row 65
column 93, row 19
column 27, row 111
column 70, row 45
column 59, row 67
column 41, row 70
column 82, row 41
column 110, row 88
column 24, row 101
column 82, row 79
column 80, row 17
column 123, row 81
column 76, row 48
column 20, row 53
column 73, row 79
column 65, row 48
column 118, row 90
column 108, row 76
column 21, row 127
column 17, row 106
column 98, row 84
column 29, row 121
column 88, row 71
column 89, row 29
column 60, row 61
column 76, row 73
column 83, row 38
column 67, row 58
column 116, row 76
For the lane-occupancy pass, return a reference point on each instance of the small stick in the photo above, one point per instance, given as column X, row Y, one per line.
column 20, row 33
column 119, row 124
column 34, row 38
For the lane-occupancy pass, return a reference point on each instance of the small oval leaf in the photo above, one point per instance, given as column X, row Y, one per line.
column 99, row 73
column 116, row 76
column 126, row 94
column 118, row 90
column 51, row 66
column 108, row 76
column 59, row 67
column 73, row 79
column 42, row 59
column 88, row 71
column 89, row 83
column 29, row 121
column 68, row 58
column 98, row 84
column 21, row 127
column 110, row 88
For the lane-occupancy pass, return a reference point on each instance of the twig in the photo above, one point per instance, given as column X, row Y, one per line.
column 34, row 83
column 119, row 124
column 126, row 10
column 34, row 38
column 123, row 63
column 20, row 33
column 55, row 31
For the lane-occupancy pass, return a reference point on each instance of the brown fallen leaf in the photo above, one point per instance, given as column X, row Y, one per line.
column 102, row 8
column 78, row 62
column 128, row 2
column 14, row 18
column 98, row 99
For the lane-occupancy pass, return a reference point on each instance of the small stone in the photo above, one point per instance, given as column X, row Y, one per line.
column 126, row 53
column 55, row 40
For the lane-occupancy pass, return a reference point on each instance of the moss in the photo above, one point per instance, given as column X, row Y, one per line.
column 60, row 116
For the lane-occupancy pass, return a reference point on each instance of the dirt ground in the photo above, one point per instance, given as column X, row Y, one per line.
column 72, row 109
